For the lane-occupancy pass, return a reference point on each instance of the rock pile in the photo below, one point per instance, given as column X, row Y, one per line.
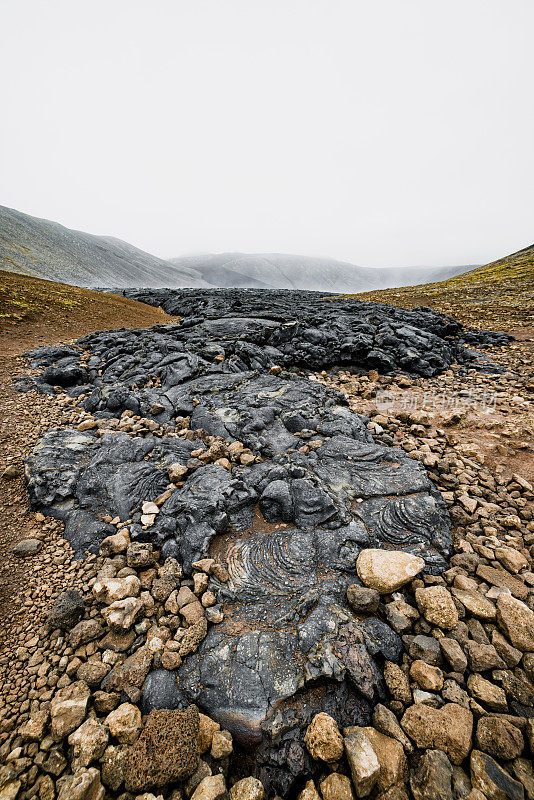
column 266, row 557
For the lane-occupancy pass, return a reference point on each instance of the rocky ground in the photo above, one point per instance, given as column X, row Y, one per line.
column 457, row 720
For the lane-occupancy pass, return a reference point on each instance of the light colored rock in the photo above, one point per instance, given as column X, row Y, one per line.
column 206, row 728
column 516, row 621
column 323, row 739
column 115, row 544
column 10, row 790
column 221, row 744
column 363, row 761
column 387, row 570
column 336, row 787
column 33, row 730
column 26, row 547
column 124, row 723
column 89, row 742
column 83, row 785
column 428, row 677
column 68, row 708
column 309, row 792
column 397, row 682
column 485, row 692
column 121, row 615
column 499, row 738
column 177, row 472
column 437, row 606
column 391, row 757
column 449, row 728
column 511, row 559
column 112, row 589
column 476, row 604
column 247, row 789
column 210, row 788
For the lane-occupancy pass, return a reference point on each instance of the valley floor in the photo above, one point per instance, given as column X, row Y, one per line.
column 464, row 429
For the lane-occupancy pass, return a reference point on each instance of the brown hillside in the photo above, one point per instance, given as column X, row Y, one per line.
column 35, row 311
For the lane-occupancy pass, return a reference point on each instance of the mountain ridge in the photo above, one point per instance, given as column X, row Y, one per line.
column 45, row 249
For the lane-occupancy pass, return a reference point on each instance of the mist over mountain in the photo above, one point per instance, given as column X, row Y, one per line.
column 45, row 249
column 279, row 271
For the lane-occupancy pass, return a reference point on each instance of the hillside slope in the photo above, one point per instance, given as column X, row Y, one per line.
column 34, row 311
column 44, row 249
column 282, row 271
column 498, row 295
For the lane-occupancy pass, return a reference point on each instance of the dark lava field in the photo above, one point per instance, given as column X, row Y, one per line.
column 307, row 488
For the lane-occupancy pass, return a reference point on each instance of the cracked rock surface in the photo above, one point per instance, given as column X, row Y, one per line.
column 203, row 445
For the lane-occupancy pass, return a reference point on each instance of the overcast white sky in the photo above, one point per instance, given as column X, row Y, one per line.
column 382, row 132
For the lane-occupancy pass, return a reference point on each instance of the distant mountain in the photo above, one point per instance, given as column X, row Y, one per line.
column 277, row 271
column 45, row 249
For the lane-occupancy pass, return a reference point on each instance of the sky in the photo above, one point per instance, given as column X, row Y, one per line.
column 392, row 132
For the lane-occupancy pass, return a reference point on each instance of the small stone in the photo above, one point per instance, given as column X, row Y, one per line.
column 124, row 723
column 67, row 610
column 449, row 728
column 132, row 671
column 68, row 709
column 26, row 547
column 33, row 730
column 363, row 600
column 363, row 762
column 492, row 780
column 112, row 589
column 121, row 615
column 160, row 691
column 390, row 754
column 437, row 606
column 309, row 792
column 89, row 742
column 428, row 677
column 323, row 739
column 397, row 682
column 115, row 544
column 431, row 779
column 475, row 603
column 386, row 722
column 387, row 570
column 221, row 744
column 211, row 788
column 516, row 621
column 10, row 473
column 485, row 692
column 84, row 632
column 511, row 559
column 140, row 555
column 247, row 789
column 206, row 729
column 499, row 738
column 426, row 648
column 92, row 672
column 453, row 654
column 336, row 787
column 177, row 472
column 83, row 785
column 113, row 765
column 502, row 579
column 482, row 657
column 511, row 655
